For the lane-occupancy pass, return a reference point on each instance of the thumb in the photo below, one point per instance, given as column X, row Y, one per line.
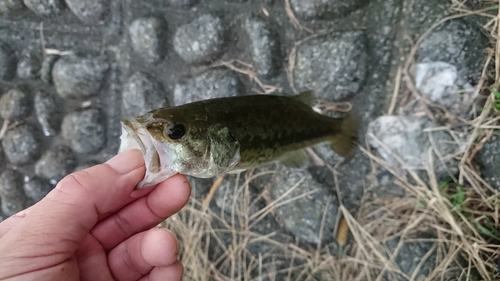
column 59, row 222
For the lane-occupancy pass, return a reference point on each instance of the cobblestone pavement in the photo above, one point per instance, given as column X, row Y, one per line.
column 69, row 71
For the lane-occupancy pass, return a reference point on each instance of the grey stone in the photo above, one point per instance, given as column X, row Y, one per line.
column 410, row 257
column 88, row 11
column 211, row 84
column 420, row 15
column 199, row 40
column 333, row 66
column 8, row 62
column 11, row 7
column 48, row 108
column 28, row 66
column 351, row 178
column 147, row 39
column 15, row 105
column 304, row 216
column 403, row 137
column 458, row 43
column 84, row 130
column 325, row 9
column 56, row 163
column 489, row 156
column 45, row 7
column 78, row 77
column 263, row 45
column 46, row 69
column 36, row 188
column 141, row 93
column 22, row 144
column 182, row 3
column 12, row 194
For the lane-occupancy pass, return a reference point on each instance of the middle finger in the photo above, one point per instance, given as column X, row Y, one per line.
column 165, row 200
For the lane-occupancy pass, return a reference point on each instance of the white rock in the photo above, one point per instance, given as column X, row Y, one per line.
column 400, row 137
column 439, row 82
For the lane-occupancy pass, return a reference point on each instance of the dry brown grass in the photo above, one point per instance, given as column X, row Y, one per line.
column 465, row 237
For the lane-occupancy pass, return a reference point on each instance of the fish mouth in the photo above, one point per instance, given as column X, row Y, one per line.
column 135, row 136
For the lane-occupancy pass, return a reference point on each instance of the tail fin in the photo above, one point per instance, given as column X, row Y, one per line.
column 345, row 142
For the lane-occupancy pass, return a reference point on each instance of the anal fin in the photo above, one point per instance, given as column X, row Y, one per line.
column 305, row 97
column 296, row 159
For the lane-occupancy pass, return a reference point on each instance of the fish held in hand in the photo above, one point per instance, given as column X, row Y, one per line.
column 212, row 137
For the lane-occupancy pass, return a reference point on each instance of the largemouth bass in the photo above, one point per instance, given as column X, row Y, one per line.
column 212, row 137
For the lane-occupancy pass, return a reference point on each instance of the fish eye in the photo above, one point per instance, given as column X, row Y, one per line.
column 175, row 131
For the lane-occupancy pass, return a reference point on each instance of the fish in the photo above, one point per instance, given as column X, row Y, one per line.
column 232, row 134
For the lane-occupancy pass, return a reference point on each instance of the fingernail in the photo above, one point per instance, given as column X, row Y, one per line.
column 126, row 161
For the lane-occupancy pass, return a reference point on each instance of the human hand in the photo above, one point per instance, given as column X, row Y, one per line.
column 94, row 226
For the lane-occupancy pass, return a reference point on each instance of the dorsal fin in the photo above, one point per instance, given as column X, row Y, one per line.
column 305, row 97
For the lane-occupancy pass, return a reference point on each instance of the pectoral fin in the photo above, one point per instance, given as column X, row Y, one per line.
column 224, row 149
column 296, row 159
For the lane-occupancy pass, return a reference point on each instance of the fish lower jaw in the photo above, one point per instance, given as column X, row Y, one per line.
column 135, row 137
column 152, row 179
